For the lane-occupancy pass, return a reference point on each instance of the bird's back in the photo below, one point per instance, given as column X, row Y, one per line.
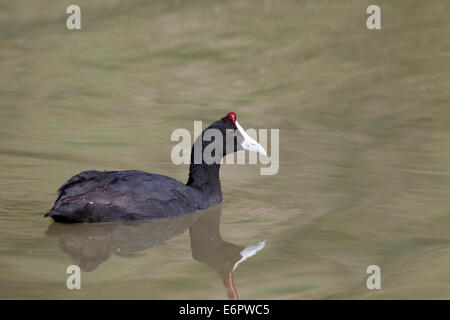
column 100, row 196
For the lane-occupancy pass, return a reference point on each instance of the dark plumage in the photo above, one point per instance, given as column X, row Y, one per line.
column 100, row 196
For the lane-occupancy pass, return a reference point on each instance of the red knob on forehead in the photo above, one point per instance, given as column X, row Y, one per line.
column 232, row 117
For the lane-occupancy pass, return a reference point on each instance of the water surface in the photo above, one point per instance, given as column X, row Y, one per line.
column 364, row 145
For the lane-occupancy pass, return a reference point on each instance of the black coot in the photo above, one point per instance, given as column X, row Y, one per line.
column 101, row 196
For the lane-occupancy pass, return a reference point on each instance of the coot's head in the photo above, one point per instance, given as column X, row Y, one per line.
column 242, row 141
column 232, row 137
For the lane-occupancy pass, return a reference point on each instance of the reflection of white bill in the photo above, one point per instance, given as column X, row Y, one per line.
column 250, row 251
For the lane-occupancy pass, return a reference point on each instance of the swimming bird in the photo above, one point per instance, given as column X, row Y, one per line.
column 103, row 196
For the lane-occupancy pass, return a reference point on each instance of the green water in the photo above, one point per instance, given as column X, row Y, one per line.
column 364, row 145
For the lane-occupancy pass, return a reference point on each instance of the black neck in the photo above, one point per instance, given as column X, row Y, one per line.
column 205, row 177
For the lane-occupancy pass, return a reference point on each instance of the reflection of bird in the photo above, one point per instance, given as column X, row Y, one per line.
column 89, row 245
column 208, row 247
column 95, row 196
